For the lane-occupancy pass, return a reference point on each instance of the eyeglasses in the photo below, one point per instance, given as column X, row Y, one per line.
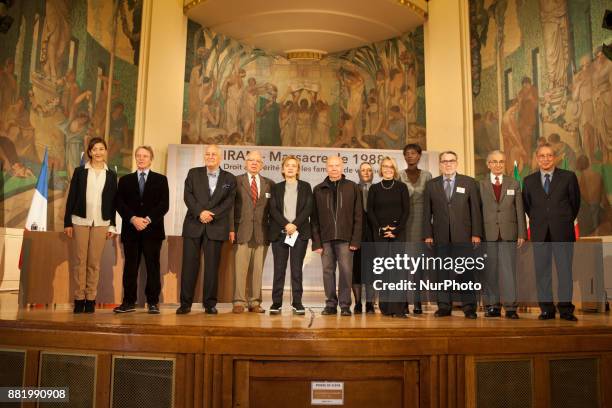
column 448, row 161
column 495, row 162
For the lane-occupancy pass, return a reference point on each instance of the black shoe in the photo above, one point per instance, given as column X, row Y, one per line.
column 546, row 316
column 569, row 316
column 418, row 308
column 493, row 312
column 90, row 306
column 211, row 310
column 357, row 308
column 153, row 308
column 183, row 309
column 370, row 308
column 125, row 308
column 79, row 306
column 442, row 313
column 400, row 315
column 345, row 311
column 298, row 309
column 329, row 311
column 470, row 315
column 275, row 308
column 512, row 315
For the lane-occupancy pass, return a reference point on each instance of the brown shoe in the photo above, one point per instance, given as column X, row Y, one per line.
column 238, row 309
column 257, row 309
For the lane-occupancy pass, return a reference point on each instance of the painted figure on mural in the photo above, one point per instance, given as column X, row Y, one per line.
column 8, row 88
column 232, row 89
column 582, row 97
column 248, row 111
column 76, row 130
column 322, row 124
column 55, row 36
column 394, row 132
column 352, row 80
column 527, row 112
column 269, row 130
column 594, row 206
column 512, row 141
column 602, row 100
column 288, row 120
column 305, row 116
column 553, row 16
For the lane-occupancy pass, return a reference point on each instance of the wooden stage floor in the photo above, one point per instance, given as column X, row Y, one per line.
column 197, row 322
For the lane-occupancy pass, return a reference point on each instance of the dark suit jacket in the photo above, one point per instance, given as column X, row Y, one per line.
column 76, row 201
column 555, row 211
column 302, row 213
column 246, row 220
column 197, row 198
column 153, row 204
column 505, row 218
column 455, row 221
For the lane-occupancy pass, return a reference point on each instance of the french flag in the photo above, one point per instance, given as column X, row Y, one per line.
column 37, row 215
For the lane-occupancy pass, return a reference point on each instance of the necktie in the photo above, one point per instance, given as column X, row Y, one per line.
column 141, row 183
column 546, row 183
column 497, row 189
column 253, row 190
column 447, row 189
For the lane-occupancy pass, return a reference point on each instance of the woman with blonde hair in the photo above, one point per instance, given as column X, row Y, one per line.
column 388, row 209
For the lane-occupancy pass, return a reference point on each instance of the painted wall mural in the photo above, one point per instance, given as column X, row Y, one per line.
column 56, row 93
column 539, row 75
column 370, row 97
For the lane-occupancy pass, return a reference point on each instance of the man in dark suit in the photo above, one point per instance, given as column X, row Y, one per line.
column 452, row 221
column 209, row 196
column 551, row 197
column 505, row 230
column 142, row 202
column 249, row 225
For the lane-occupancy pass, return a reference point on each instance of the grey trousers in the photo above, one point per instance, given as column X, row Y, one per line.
column 337, row 253
column 500, row 273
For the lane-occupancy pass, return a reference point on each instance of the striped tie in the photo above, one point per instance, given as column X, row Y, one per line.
column 254, row 190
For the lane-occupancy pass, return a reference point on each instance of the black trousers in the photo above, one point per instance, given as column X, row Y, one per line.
column 445, row 298
column 133, row 252
column 281, row 253
column 564, row 255
column 191, row 268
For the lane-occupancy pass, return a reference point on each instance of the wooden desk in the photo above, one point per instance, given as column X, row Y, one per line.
column 45, row 273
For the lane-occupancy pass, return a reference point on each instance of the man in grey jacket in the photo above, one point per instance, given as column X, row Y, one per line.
column 504, row 229
column 248, row 228
column 336, row 232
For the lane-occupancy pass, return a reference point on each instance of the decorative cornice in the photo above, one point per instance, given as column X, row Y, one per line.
column 191, row 5
column 412, row 5
column 305, row 55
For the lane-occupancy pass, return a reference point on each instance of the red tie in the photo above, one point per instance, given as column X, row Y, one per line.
column 497, row 188
column 253, row 190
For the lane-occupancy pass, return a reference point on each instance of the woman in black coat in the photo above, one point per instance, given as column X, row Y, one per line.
column 388, row 210
column 89, row 221
column 290, row 208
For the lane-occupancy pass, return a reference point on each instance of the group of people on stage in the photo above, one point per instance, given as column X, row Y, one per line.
column 337, row 215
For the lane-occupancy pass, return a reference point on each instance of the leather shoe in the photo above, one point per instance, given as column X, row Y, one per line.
column 345, row 311
column 329, row 311
column 546, row 316
column 257, row 309
column 357, row 309
column 470, row 315
column 569, row 317
column 153, row 308
column 442, row 313
column 79, row 306
column 370, row 308
column 418, row 308
column 493, row 312
column 211, row 310
column 183, row 309
column 512, row 315
column 238, row 309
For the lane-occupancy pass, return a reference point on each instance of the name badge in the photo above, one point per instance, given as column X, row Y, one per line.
column 268, row 195
column 510, row 192
column 461, row 190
